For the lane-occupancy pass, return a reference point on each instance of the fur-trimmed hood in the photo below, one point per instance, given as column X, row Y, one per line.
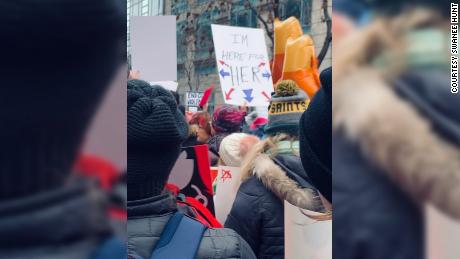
column 405, row 137
column 275, row 179
column 398, row 139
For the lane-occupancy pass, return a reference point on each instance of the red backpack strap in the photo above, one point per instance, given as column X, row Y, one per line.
column 204, row 212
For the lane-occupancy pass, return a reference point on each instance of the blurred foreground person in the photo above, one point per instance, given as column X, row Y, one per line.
column 271, row 173
column 56, row 69
column 396, row 133
column 156, row 228
column 316, row 140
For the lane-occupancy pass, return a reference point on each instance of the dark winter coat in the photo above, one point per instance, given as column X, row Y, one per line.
column 147, row 219
column 70, row 222
column 394, row 147
column 258, row 211
column 373, row 218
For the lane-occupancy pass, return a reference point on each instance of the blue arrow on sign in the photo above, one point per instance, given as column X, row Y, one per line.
column 223, row 73
column 248, row 93
column 266, row 74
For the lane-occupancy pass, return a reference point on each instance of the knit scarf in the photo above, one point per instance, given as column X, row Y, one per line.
column 286, row 147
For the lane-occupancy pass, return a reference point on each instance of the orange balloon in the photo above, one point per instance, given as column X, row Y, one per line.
column 301, row 65
column 289, row 28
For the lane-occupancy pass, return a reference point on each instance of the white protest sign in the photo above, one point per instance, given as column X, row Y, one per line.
column 304, row 237
column 443, row 234
column 193, row 99
column 242, row 65
column 153, row 47
column 228, row 182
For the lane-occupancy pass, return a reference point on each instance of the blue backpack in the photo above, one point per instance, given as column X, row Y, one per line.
column 111, row 248
column 180, row 239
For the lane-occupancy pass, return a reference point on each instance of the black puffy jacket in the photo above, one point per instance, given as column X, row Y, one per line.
column 372, row 217
column 258, row 211
column 69, row 222
column 148, row 217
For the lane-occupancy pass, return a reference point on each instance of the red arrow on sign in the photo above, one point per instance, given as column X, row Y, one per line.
column 227, row 95
column 266, row 95
column 223, row 63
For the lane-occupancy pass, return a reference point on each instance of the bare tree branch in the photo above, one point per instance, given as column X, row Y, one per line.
column 259, row 17
column 328, row 39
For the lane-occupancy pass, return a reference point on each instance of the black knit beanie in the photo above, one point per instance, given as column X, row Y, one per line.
column 156, row 129
column 58, row 58
column 316, row 137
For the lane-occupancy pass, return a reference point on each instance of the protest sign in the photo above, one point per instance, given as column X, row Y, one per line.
column 193, row 99
column 306, row 238
column 242, row 65
column 443, row 234
column 153, row 47
column 192, row 175
column 228, row 181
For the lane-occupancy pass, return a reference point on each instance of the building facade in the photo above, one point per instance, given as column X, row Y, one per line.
column 195, row 52
column 142, row 8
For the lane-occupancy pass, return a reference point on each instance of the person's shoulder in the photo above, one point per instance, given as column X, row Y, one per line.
column 227, row 241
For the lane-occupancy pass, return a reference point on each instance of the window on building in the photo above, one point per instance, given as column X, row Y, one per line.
column 243, row 16
column 301, row 9
column 204, row 68
column 203, row 36
column 145, row 7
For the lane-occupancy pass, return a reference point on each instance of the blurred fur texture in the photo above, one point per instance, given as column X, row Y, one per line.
column 389, row 130
column 260, row 164
column 275, row 179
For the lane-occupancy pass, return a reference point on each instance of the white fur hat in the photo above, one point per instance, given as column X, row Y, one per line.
column 234, row 147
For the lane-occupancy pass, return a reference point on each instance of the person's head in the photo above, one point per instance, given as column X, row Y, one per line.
column 316, row 137
column 286, row 107
column 204, row 133
column 234, row 148
column 156, row 129
column 203, row 120
column 54, row 73
column 227, row 119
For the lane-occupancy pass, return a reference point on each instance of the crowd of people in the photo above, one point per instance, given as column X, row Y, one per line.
column 283, row 157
